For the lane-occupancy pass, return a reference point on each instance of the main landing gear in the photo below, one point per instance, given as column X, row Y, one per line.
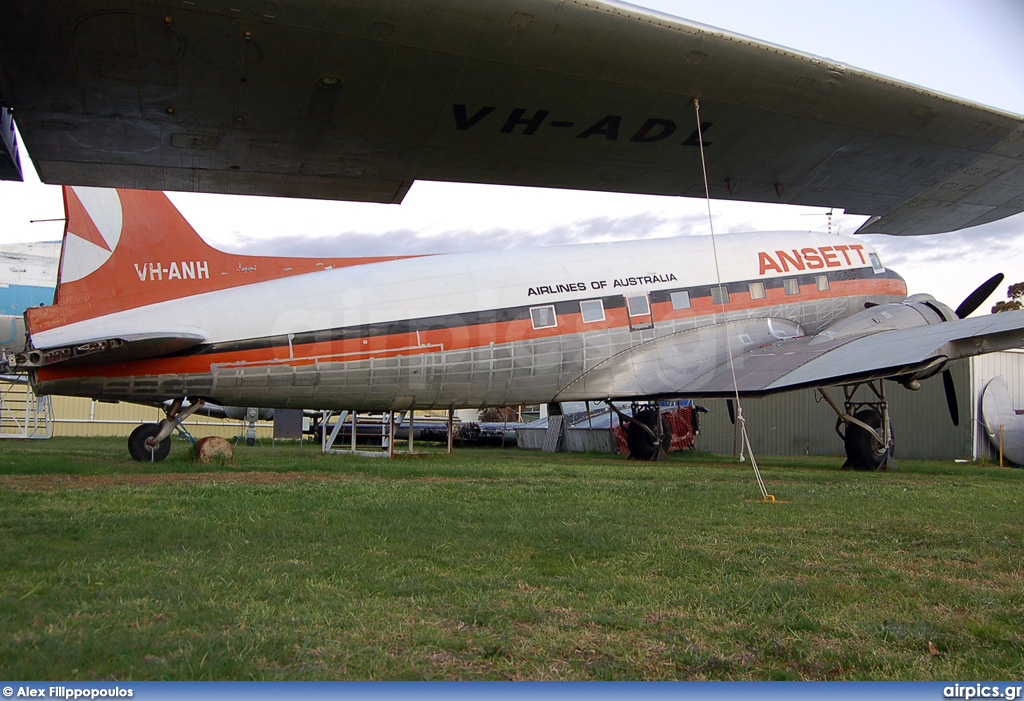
column 865, row 428
column 152, row 442
column 648, row 434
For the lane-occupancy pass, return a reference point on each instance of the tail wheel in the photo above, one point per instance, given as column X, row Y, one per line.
column 863, row 450
column 140, row 451
column 642, row 446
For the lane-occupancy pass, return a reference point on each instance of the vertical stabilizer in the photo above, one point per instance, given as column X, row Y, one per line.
column 125, row 249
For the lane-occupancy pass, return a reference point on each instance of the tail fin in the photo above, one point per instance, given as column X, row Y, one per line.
column 125, row 249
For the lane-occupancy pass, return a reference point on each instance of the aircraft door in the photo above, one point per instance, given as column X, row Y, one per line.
column 638, row 307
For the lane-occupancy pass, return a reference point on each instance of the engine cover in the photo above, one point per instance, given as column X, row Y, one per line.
column 917, row 310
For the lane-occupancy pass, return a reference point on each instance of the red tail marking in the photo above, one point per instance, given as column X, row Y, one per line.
column 158, row 257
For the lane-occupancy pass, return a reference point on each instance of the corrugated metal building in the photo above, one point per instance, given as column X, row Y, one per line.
column 984, row 368
column 801, row 423
column 75, row 416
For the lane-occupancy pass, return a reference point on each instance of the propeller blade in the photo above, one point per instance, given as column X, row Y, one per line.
column 951, row 403
column 978, row 297
column 732, row 411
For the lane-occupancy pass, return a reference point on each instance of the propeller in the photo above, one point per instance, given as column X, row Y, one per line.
column 951, row 403
column 978, row 297
column 972, row 302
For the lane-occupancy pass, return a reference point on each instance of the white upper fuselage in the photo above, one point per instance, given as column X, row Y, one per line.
column 445, row 285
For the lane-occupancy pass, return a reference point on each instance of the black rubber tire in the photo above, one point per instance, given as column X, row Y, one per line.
column 862, row 450
column 641, row 445
column 137, row 444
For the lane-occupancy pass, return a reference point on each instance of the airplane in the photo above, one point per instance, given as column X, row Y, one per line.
column 348, row 100
column 146, row 311
column 28, row 274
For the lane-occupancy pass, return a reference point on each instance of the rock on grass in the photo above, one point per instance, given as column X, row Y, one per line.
column 213, row 449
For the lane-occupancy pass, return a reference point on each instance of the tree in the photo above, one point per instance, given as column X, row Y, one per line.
column 1014, row 301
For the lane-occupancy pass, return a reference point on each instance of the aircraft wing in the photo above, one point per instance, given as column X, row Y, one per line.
column 765, row 364
column 346, row 99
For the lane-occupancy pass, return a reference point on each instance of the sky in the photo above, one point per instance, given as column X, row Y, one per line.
column 968, row 48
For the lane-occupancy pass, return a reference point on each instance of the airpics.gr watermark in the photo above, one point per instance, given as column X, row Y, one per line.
column 981, row 691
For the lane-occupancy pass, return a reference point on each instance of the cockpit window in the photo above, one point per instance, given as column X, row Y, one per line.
column 876, row 263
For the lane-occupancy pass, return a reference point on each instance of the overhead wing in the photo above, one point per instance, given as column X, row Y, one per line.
column 10, row 162
column 765, row 364
column 353, row 100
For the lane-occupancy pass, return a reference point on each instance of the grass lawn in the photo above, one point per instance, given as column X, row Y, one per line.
column 287, row 564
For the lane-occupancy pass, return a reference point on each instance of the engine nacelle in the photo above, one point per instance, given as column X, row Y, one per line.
column 916, row 310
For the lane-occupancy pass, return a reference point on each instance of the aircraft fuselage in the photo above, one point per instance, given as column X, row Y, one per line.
column 475, row 329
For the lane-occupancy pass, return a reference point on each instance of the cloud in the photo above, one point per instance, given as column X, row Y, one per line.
column 406, row 241
column 997, row 245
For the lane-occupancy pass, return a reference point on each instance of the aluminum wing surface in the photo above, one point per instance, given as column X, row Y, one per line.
column 696, row 363
column 345, row 99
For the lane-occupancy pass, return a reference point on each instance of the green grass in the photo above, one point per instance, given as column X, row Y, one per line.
column 287, row 564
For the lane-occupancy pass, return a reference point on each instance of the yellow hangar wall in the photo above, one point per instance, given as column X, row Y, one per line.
column 75, row 416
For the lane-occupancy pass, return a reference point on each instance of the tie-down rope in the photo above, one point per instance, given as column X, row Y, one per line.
column 745, row 442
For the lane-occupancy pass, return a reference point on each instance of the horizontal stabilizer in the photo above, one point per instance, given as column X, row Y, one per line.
column 109, row 350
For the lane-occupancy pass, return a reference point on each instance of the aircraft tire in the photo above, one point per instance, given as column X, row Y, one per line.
column 639, row 442
column 863, row 452
column 137, row 444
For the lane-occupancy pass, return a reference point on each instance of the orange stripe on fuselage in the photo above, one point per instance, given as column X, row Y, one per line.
column 458, row 337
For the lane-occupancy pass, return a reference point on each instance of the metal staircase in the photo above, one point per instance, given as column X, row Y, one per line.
column 22, row 413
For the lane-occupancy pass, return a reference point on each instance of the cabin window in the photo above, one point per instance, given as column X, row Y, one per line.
column 719, row 295
column 680, row 299
column 876, row 263
column 756, row 290
column 592, row 310
column 638, row 305
column 822, row 282
column 791, row 285
column 543, row 317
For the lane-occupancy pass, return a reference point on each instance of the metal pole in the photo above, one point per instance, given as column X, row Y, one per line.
column 391, row 434
column 451, row 427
